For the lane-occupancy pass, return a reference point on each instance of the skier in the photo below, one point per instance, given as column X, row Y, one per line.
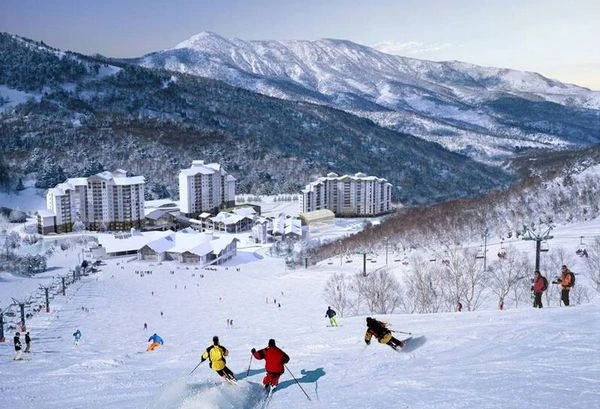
column 538, row 288
column 332, row 317
column 77, row 335
column 17, row 341
column 156, row 341
column 216, row 354
column 275, row 360
column 27, row 342
column 382, row 333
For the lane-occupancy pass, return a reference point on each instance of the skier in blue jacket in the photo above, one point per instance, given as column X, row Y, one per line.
column 156, row 341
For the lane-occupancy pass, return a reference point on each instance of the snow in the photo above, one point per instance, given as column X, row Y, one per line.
column 516, row 358
column 14, row 97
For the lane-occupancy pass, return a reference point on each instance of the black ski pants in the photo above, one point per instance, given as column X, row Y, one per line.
column 537, row 301
column 564, row 296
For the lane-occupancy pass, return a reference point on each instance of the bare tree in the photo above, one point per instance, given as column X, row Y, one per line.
column 338, row 293
column 593, row 262
column 385, row 290
column 421, row 295
column 508, row 275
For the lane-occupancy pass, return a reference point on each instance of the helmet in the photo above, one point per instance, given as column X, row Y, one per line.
column 216, row 340
column 271, row 342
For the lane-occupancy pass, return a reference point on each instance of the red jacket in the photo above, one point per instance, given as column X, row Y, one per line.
column 538, row 285
column 274, row 358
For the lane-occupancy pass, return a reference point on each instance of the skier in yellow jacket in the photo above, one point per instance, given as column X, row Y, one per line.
column 216, row 357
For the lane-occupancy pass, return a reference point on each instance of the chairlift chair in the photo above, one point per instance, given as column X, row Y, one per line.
column 544, row 246
column 480, row 254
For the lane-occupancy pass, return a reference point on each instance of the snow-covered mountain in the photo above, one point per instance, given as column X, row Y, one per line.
column 487, row 113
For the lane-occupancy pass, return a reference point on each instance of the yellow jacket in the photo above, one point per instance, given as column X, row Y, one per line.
column 216, row 355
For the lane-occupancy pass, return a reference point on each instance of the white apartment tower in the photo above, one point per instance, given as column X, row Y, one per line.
column 348, row 196
column 205, row 188
column 108, row 200
column 67, row 201
column 115, row 201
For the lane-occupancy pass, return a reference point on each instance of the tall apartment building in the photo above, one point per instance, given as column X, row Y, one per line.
column 205, row 188
column 108, row 200
column 67, row 203
column 115, row 201
column 348, row 196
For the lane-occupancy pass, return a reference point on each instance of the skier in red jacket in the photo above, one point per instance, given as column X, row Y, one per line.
column 275, row 359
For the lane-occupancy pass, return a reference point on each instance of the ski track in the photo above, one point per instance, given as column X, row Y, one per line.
column 485, row 359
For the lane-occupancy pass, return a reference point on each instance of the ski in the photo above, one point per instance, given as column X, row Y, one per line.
column 267, row 398
column 411, row 343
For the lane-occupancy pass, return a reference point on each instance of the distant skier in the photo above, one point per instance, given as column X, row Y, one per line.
column 27, row 342
column 216, row 354
column 156, row 341
column 77, row 336
column 382, row 333
column 17, row 342
column 330, row 313
column 275, row 359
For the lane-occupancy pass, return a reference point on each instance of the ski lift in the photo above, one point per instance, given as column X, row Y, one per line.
column 581, row 251
column 544, row 246
column 480, row 254
column 502, row 251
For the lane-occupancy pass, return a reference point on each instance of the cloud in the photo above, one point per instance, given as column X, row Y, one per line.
column 410, row 47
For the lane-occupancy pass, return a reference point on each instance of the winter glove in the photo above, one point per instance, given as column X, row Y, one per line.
column 367, row 341
column 253, row 350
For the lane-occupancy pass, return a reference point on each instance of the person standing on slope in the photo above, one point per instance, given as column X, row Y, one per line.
column 27, row 342
column 275, row 359
column 566, row 282
column 156, row 341
column 216, row 354
column 17, row 342
column 538, row 286
column 382, row 333
column 332, row 317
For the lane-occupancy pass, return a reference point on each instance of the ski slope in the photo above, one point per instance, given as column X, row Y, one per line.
column 516, row 358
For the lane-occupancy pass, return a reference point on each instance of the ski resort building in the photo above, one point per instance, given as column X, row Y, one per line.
column 185, row 246
column 105, row 201
column 348, row 196
column 205, row 188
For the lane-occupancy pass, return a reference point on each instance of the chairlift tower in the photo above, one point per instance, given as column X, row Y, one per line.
column 529, row 235
column 485, row 236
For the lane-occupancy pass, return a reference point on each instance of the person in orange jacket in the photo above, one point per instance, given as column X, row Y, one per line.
column 275, row 359
column 566, row 282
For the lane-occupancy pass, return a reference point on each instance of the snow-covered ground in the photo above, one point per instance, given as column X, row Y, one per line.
column 516, row 358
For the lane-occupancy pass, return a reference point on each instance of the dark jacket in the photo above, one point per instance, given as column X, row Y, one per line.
column 17, row 341
column 274, row 358
column 376, row 328
column 330, row 313
column 27, row 339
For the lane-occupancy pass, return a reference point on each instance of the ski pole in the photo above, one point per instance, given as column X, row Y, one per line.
column 249, row 363
column 298, row 383
column 402, row 332
column 195, row 367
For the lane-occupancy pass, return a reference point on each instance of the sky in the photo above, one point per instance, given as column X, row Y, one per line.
column 556, row 38
column 488, row 359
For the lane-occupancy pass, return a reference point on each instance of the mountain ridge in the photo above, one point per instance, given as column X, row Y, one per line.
column 459, row 105
column 79, row 115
